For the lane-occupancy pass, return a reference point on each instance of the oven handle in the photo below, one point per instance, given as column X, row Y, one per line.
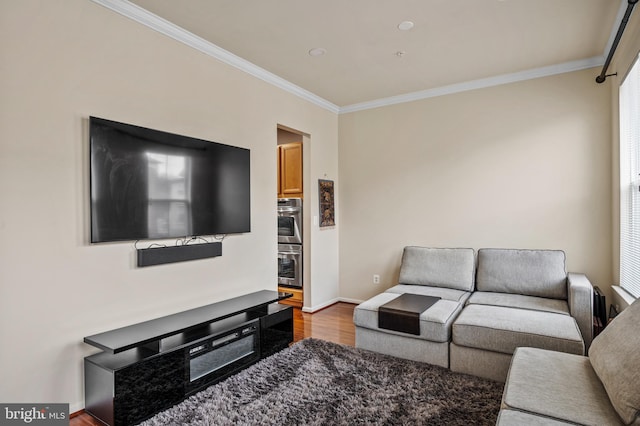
column 289, row 252
column 288, row 209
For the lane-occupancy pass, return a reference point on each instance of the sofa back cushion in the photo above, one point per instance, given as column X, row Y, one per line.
column 538, row 273
column 438, row 267
column 615, row 357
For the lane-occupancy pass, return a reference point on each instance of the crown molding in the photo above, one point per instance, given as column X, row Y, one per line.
column 478, row 84
column 169, row 29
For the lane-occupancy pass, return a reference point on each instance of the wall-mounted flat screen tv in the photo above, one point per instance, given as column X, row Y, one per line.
column 149, row 184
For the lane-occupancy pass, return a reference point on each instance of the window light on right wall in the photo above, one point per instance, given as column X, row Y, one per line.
column 630, row 181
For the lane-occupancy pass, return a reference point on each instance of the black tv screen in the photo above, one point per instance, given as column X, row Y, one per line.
column 149, row 184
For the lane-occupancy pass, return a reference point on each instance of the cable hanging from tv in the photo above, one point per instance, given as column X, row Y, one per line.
column 152, row 245
column 184, row 241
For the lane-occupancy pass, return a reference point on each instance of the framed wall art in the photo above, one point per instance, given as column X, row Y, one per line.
column 327, row 204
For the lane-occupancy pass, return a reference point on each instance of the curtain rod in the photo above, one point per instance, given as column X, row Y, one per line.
column 603, row 75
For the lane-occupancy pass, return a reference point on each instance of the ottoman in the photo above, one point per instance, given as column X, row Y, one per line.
column 430, row 345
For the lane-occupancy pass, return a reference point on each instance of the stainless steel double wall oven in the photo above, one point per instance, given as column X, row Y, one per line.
column 290, row 242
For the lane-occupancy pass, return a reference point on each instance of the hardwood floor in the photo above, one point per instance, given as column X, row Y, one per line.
column 334, row 323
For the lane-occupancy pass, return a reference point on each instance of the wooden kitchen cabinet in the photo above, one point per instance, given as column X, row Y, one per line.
column 290, row 170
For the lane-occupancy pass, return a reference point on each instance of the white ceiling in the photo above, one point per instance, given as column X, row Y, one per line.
column 453, row 44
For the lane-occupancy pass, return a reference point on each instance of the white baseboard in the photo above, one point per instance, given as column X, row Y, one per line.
column 329, row 303
column 320, row 306
column 348, row 300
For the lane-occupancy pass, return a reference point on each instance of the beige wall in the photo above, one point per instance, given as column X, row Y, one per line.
column 62, row 62
column 523, row 165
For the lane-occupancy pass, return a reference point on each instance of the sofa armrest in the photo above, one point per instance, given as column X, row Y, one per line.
column 580, row 293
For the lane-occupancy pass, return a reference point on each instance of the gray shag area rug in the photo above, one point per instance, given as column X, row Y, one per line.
column 315, row 382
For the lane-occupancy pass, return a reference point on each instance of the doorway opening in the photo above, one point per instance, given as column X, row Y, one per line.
column 293, row 190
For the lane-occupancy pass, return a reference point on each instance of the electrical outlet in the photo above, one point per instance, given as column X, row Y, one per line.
column 376, row 279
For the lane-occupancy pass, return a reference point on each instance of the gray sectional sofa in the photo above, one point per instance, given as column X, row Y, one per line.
column 555, row 388
column 490, row 304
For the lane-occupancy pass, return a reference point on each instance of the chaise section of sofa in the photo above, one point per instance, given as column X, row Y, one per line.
column 523, row 298
column 548, row 387
column 446, row 273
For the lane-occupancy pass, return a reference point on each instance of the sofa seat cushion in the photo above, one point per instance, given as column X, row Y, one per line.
column 435, row 322
column 520, row 301
column 539, row 273
column 519, row 418
column 438, row 267
column 615, row 357
column 500, row 329
column 443, row 293
column 558, row 385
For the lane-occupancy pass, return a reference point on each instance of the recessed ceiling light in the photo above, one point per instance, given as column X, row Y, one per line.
column 405, row 25
column 317, row 51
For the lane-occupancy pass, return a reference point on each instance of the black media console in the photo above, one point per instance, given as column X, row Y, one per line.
column 147, row 367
